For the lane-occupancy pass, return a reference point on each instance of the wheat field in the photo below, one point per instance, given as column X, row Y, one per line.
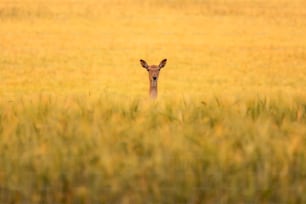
column 77, row 125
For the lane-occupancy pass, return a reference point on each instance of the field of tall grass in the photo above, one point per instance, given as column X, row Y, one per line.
column 77, row 124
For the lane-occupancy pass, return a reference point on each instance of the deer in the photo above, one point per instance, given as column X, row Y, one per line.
column 153, row 71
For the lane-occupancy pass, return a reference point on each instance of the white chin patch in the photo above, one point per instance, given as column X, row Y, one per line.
column 154, row 82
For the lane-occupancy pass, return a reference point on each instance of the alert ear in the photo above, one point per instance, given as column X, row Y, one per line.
column 162, row 63
column 144, row 64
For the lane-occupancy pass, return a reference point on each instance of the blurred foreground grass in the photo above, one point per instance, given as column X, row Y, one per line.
column 109, row 151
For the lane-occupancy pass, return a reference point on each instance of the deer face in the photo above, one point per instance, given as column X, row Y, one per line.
column 153, row 71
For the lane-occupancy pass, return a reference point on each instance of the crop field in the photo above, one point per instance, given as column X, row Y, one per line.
column 77, row 124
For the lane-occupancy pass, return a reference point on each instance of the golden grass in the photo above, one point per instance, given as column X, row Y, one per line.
column 76, row 124
column 248, row 48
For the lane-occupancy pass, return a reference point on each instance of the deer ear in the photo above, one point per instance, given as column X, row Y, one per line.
column 162, row 63
column 144, row 64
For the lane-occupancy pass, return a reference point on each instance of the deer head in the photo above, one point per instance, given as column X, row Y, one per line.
column 153, row 71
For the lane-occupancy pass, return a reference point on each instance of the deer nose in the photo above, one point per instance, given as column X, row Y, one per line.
column 154, row 78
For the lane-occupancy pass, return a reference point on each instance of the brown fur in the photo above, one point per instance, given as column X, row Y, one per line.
column 153, row 75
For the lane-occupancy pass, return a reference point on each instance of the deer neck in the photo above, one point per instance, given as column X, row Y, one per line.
column 153, row 89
